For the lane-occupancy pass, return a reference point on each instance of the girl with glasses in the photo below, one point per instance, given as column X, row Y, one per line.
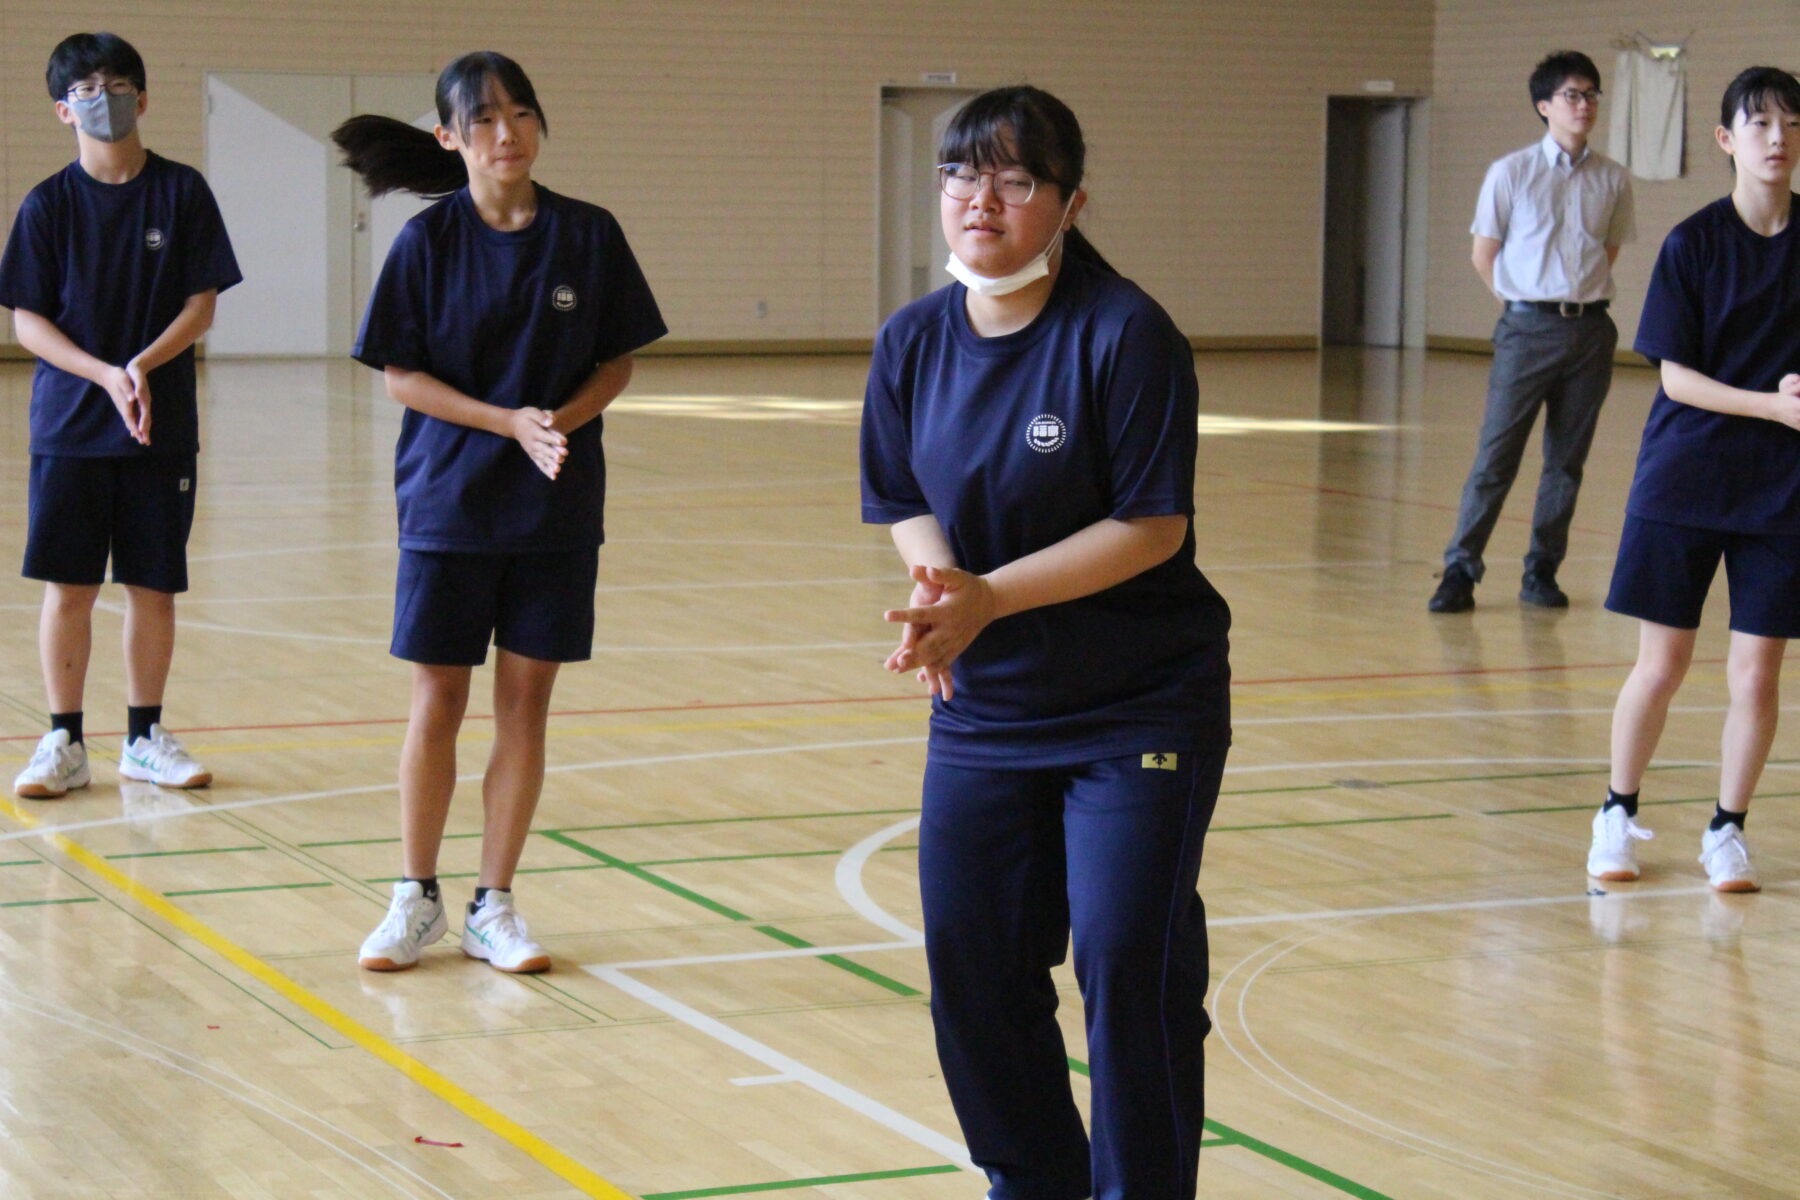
column 1029, row 433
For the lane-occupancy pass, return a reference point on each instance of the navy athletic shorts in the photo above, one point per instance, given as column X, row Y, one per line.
column 1664, row 572
column 448, row 605
column 137, row 510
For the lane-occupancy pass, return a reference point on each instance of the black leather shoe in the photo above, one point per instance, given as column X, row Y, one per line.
column 1455, row 593
column 1540, row 589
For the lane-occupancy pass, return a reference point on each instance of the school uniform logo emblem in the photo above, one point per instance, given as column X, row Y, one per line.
column 1046, row 433
column 154, row 239
column 563, row 298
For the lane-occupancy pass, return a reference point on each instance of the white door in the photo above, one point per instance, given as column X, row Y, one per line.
column 1385, row 228
column 306, row 235
column 911, row 253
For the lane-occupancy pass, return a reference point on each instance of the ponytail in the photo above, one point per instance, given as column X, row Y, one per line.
column 392, row 156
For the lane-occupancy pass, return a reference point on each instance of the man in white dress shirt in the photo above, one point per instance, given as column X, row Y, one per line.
column 1548, row 225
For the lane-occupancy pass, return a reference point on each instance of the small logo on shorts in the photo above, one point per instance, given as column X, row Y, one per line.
column 185, row 483
column 1046, row 433
column 563, row 298
column 154, row 239
column 1160, row 762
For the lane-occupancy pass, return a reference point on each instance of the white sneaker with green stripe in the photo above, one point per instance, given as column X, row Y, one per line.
column 494, row 932
column 161, row 760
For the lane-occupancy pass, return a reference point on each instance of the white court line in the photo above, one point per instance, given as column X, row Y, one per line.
column 849, row 879
column 850, row 885
column 272, row 551
column 946, row 1147
column 554, row 769
column 1364, row 1122
column 1407, row 910
column 701, row 960
column 298, row 635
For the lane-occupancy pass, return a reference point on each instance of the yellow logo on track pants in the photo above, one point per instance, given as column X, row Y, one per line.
column 1159, row 762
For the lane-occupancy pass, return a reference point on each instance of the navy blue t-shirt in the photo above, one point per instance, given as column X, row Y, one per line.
column 110, row 265
column 520, row 320
column 1015, row 442
column 1725, row 301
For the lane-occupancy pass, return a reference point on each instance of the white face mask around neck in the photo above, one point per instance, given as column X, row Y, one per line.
column 1030, row 273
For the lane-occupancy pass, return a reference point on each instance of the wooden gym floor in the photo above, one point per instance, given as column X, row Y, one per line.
column 1416, row 993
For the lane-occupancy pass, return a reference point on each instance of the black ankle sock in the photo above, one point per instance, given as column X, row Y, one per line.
column 70, row 721
column 480, row 895
column 430, row 885
column 1721, row 819
column 1614, row 800
column 139, row 718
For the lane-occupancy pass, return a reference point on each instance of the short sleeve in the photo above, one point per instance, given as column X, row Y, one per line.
column 1623, row 226
column 1493, row 208
column 890, row 491
column 627, row 314
column 393, row 329
column 30, row 268
column 1671, row 325
column 1151, row 408
column 208, row 263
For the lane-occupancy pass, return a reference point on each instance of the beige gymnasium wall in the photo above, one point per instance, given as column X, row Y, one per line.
column 737, row 141
column 1482, row 57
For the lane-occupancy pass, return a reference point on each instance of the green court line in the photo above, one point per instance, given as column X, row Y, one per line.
column 693, row 897
column 1345, row 821
column 817, row 1181
column 23, row 862
column 1544, row 808
column 812, row 816
column 261, row 887
column 179, row 853
column 35, row 903
column 667, row 885
column 1227, row 1136
column 672, row 862
column 380, row 841
column 842, row 963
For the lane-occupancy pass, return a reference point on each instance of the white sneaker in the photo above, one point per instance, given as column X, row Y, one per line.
column 57, row 767
column 1727, row 860
column 496, row 934
column 161, row 760
column 1612, row 856
column 412, row 923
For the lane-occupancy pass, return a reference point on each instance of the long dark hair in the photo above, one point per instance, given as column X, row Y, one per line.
column 1027, row 127
column 392, row 156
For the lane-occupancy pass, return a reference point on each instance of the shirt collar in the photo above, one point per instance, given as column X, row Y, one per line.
column 1556, row 156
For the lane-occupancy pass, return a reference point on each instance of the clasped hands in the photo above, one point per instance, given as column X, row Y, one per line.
column 948, row 609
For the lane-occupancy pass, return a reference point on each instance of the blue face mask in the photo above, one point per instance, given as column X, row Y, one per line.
column 106, row 118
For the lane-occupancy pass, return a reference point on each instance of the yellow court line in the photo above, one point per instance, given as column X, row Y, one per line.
column 477, row 1110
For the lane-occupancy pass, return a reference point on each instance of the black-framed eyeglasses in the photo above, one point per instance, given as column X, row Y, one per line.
column 1012, row 186
column 1575, row 96
column 87, row 89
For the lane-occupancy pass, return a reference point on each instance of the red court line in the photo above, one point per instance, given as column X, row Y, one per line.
column 701, row 706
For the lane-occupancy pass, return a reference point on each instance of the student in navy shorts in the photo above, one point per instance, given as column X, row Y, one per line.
column 1029, row 432
column 1718, row 476
column 504, row 320
column 112, row 271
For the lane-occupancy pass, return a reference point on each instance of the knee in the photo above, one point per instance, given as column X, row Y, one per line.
column 149, row 602
column 1661, row 674
column 68, row 601
column 439, row 700
column 1755, row 683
